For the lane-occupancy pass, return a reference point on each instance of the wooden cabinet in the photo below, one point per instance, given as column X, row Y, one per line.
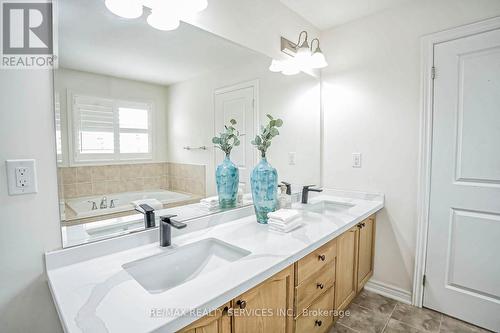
column 346, row 269
column 315, row 289
column 217, row 322
column 302, row 297
column 365, row 251
column 309, row 290
column 276, row 295
column 320, row 316
column 315, row 261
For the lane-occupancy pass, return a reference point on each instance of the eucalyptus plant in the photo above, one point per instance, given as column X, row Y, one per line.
column 268, row 132
column 229, row 139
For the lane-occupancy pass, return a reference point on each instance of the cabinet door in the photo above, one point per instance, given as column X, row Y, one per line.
column 267, row 307
column 366, row 247
column 217, row 322
column 346, row 268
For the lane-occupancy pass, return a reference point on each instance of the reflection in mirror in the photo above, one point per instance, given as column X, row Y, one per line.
column 136, row 109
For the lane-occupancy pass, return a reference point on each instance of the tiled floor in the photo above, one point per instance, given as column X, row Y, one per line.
column 372, row 313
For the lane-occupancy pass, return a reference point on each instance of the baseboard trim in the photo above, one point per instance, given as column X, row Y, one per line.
column 390, row 291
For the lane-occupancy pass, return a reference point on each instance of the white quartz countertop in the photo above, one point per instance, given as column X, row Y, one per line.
column 96, row 294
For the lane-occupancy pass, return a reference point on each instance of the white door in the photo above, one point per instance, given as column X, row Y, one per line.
column 238, row 104
column 463, row 254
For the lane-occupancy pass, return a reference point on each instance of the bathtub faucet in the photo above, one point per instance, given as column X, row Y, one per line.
column 149, row 215
column 104, row 203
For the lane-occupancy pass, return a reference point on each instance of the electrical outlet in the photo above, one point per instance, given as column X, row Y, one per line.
column 356, row 160
column 21, row 176
column 292, row 157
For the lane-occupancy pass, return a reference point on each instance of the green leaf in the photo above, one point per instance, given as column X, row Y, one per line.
column 269, row 116
column 279, row 122
column 274, row 131
column 215, row 140
column 272, row 123
column 258, row 140
column 233, row 122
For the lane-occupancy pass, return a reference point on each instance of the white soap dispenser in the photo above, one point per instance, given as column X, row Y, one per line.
column 284, row 200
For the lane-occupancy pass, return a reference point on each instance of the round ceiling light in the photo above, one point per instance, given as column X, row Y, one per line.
column 163, row 20
column 125, row 8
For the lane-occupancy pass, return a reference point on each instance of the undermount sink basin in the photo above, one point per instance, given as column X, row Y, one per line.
column 164, row 271
column 327, row 207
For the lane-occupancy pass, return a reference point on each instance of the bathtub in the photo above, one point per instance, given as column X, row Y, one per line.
column 82, row 207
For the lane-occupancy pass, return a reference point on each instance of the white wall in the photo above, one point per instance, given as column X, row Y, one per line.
column 371, row 96
column 295, row 99
column 30, row 224
column 97, row 85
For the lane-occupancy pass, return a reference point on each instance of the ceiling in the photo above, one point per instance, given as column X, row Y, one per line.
column 325, row 14
column 92, row 39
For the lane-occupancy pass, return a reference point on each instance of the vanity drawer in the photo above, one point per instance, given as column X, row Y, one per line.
column 314, row 286
column 318, row 317
column 315, row 261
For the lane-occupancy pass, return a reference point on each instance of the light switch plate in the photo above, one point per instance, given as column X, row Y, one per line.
column 356, row 160
column 292, row 158
column 21, row 177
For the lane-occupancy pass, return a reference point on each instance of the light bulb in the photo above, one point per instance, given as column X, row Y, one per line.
column 125, row 8
column 318, row 60
column 276, row 66
column 163, row 20
column 290, row 68
column 303, row 55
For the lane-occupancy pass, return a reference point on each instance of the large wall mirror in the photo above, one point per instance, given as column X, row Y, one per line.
column 136, row 109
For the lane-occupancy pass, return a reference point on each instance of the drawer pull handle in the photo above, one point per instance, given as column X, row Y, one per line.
column 242, row 304
column 322, row 257
column 318, row 323
column 320, row 285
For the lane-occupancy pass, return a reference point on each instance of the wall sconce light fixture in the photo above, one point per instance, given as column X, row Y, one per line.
column 302, row 56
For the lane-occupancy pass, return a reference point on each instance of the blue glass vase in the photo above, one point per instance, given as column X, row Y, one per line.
column 264, row 181
column 227, row 178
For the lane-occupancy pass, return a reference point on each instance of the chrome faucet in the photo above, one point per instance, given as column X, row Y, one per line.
column 104, row 203
column 166, row 224
column 305, row 192
column 94, row 205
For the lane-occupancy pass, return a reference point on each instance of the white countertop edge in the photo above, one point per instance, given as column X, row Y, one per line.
column 56, row 303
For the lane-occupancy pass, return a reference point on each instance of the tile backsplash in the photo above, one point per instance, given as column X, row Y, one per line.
column 84, row 181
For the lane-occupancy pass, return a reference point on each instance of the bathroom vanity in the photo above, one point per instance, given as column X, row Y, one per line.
column 310, row 291
column 224, row 273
